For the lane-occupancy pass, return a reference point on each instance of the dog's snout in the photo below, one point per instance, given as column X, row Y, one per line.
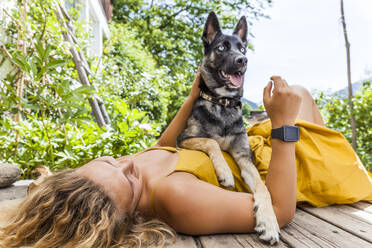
column 242, row 60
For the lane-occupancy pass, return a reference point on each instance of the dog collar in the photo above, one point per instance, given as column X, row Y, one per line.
column 224, row 101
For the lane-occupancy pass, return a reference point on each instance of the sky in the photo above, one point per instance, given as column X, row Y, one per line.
column 303, row 42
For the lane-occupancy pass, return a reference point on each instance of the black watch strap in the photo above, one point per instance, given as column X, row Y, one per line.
column 286, row 133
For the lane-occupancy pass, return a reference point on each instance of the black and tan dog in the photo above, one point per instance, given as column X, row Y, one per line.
column 216, row 121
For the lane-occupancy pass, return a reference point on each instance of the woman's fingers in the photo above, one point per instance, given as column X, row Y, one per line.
column 275, row 78
column 282, row 104
column 267, row 92
column 279, row 82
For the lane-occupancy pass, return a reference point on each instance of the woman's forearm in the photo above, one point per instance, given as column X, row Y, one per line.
column 281, row 178
column 169, row 136
column 282, row 104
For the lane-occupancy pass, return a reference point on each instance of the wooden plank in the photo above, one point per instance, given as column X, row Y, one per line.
column 182, row 241
column 355, row 213
column 219, row 241
column 365, row 206
column 7, row 207
column 307, row 230
column 342, row 220
column 252, row 240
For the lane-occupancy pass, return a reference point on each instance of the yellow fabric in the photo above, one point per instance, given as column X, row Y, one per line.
column 328, row 170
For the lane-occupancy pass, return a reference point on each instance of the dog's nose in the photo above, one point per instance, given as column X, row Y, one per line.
column 241, row 60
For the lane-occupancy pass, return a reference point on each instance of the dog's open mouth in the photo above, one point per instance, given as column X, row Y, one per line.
column 236, row 79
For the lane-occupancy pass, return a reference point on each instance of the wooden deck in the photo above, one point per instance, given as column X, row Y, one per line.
column 335, row 226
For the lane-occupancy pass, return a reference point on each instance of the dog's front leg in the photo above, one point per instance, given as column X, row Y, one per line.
column 266, row 222
column 212, row 148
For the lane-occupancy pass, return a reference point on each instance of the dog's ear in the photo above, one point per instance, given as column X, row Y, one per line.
column 241, row 29
column 211, row 29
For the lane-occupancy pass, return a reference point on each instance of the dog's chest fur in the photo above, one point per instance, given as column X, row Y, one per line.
column 210, row 120
column 225, row 120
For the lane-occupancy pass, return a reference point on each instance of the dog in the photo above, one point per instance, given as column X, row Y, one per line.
column 216, row 120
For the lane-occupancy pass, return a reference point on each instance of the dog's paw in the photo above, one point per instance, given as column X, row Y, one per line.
column 268, row 233
column 227, row 180
column 224, row 174
column 266, row 223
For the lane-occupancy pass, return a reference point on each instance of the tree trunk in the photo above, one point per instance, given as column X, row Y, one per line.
column 350, row 87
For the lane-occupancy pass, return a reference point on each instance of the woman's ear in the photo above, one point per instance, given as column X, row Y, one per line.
column 241, row 30
column 211, row 29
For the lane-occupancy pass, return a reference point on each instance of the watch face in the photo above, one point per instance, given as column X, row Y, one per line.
column 291, row 133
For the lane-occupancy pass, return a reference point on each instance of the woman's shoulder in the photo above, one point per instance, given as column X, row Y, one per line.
column 193, row 206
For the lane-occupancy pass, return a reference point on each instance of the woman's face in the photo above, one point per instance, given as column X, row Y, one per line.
column 122, row 181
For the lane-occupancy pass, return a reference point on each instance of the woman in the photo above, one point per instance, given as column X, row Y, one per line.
column 116, row 202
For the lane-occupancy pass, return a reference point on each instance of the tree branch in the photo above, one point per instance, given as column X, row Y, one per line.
column 350, row 86
column 173, row 16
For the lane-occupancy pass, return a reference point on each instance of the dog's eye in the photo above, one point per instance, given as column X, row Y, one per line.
column 242, row 50
column 221, row 48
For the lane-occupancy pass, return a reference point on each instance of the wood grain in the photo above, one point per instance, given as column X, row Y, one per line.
column 307, row 230
column 252, row 240
column 219, row 241
column 365, row 206
column 182, row 241
column 345, row 221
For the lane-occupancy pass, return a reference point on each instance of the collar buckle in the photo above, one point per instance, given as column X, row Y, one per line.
column 226, row 102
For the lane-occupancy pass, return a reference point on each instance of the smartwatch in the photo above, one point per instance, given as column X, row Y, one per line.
column 286, row 133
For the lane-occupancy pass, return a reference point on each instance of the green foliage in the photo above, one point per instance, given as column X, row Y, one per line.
column 171, row 31
column 143, row 78
column 336, row 113
column 246, row 111
column 131, row 72
column 46, row 142
column 57, row 128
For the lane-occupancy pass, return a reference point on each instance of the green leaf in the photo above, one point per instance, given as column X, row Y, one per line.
column 34, row 69
column 54, row 63
column 21, row 62
column 84, row 90
column 46, row 53
column 39, row 48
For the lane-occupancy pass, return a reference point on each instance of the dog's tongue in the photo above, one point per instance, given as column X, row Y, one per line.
column 236, row 79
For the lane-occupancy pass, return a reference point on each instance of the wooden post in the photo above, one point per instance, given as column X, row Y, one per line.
column 81, row 65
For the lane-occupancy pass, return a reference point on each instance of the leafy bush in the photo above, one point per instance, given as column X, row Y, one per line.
column 143, row 78
column 57, row 128
column 130, row 72
column 46, row 142
column 336, row 113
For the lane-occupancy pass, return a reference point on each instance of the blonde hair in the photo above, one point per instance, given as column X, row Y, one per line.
column 68, row 210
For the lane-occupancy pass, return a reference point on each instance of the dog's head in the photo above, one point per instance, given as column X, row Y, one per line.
column 225, row 61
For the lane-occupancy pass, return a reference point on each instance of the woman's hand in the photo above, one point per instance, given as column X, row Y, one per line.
column 283, row 104
column 195, row 90
column 169, row 136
